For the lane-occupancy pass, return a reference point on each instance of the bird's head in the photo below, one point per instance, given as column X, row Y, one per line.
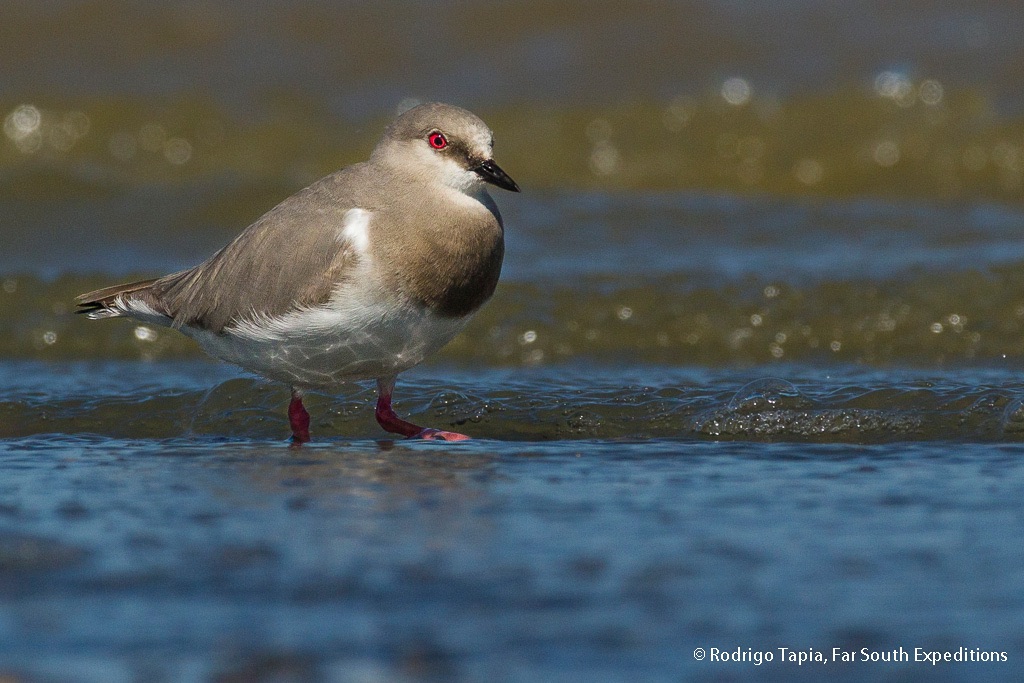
column 443, row 142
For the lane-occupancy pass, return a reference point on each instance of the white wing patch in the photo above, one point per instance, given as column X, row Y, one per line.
column 355, row 229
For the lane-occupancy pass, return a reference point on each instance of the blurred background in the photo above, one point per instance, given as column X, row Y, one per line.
column 794, row 97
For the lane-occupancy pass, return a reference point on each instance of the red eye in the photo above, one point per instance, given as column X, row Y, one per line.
column 438, row 140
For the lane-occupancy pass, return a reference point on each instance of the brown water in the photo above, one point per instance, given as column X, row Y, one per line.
column 752, row 377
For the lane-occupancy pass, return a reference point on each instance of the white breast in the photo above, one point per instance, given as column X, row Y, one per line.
column 353, row 337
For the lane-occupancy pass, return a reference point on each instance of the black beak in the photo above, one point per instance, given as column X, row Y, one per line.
column 492, row 173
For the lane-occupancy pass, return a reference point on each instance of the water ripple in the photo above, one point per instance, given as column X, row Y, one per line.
column 545, row 405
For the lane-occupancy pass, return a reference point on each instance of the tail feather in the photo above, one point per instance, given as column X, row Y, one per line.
column 102, row 303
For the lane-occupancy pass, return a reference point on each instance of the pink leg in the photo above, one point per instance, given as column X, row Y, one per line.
column 387, row 418
column 299, row 418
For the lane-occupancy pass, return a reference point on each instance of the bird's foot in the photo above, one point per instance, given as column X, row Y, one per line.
column 439, row 435
column 387, row 418
column 299, row 419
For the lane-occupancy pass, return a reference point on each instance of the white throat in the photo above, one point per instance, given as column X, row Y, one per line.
column 457, row 178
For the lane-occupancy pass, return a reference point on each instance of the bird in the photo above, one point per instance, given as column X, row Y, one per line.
column 359, row 276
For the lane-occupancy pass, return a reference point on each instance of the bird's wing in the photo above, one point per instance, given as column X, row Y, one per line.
column 292, row 257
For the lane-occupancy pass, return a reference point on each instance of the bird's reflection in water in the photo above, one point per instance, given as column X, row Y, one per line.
column 385, row 472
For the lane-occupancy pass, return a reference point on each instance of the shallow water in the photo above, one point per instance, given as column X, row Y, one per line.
column 633, row 405
column 747, row 423
column 604, row 523
column 753, row 377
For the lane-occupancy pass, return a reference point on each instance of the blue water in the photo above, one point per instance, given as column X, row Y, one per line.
column 573, row 562
column 211, row 549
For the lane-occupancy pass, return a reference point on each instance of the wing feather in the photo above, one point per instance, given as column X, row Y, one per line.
column 294, row 256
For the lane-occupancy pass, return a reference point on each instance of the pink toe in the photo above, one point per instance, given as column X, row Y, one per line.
column 440, row 435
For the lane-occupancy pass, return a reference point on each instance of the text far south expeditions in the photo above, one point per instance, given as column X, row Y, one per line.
column 838, row 654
